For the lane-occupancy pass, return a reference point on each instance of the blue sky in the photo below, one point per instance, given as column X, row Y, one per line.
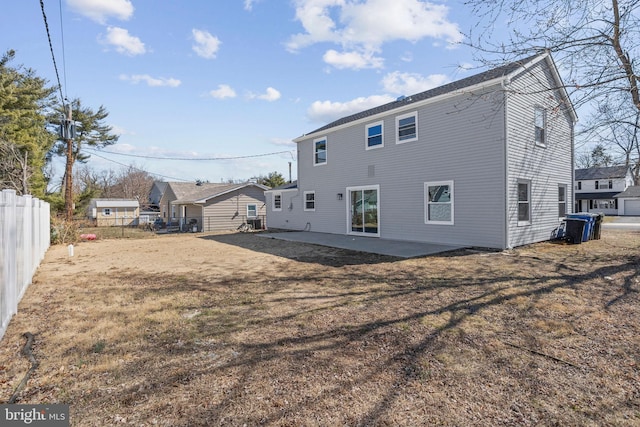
column 203, row 79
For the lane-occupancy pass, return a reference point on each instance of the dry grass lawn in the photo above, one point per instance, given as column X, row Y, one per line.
column 236, row 329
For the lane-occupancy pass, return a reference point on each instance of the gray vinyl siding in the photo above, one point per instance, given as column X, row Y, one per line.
column 459, row 139
column 229, row 211
column 546, row 167
column 290, row 216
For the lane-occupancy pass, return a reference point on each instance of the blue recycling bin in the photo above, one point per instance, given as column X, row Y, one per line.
column 589, row 226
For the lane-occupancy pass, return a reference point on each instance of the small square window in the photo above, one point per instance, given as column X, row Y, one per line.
column 106, row 211
column 407, row 126
column 374, row 135
column 439, row 202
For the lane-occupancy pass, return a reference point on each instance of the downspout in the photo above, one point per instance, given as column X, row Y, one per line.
column 506, row 244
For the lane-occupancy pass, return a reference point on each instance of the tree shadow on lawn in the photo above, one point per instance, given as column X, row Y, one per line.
column 276, row 345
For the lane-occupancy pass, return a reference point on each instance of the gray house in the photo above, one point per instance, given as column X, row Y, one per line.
column 211, row 207
column 484, row 161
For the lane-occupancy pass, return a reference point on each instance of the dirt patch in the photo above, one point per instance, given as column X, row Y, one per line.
column 234, row 329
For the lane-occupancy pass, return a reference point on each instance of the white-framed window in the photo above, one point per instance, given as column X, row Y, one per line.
column 438, row 199
column 277, row 201
column 252, row 210
column 610, row 184
column 374, row 137
column 604, row 204
column 407, row 128
column 540, row 124
column 524, row 202
column 106, row 211
column 562, row 201
column 309, row 200
column 320, row 151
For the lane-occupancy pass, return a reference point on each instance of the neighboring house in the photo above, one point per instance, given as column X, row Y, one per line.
column 209, row 207
column 113, row 212
column 596, row 189
column 485, row 161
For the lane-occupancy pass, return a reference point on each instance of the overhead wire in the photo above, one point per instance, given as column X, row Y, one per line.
column 190, row 158
column 64, row 61
column 142, row 170
column 53, row 57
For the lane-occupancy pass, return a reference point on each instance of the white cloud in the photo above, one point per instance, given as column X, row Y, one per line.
column 270, row 95
column 412, row 83
column 281, row 142
column 101, row 10
column 365, row 25
column 327, row 111
column 206, row 45
column 353, row 60
column 122, row 41
column 248, row 4
column 223, row 91
column 151, row 81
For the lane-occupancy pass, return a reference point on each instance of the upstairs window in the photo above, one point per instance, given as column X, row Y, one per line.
column 320, row 151
column 106, row 211
column 374, row 136
column 540, row 126
column 597, row 185
column 579, row 185
column 407, row 127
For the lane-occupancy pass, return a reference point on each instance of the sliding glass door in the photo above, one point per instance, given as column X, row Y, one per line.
column 363, row 210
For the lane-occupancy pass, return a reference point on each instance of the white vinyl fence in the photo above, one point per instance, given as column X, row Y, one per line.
column 24, row 240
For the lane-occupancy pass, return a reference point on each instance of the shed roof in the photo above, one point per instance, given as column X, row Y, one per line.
column 609, row 172
column 484, row 77
column 115, row 203
column 192, row 193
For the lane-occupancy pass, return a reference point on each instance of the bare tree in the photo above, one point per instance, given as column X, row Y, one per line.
column 595, row 42
column 15, row 170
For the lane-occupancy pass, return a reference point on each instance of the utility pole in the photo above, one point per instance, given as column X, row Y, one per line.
column 67, row 132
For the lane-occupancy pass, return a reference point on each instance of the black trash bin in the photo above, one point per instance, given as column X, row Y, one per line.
column 575, row 229
column 597, row 226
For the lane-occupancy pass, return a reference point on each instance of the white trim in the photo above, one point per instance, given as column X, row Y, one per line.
column 426, row 202
column 404, row 116
column 326, row 146
column 256, row 210
column 348, row 191
column 304, row 201
column 366, row 135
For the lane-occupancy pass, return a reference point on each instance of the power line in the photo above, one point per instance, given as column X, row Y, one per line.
column 53, row 57
column 142, row 170
column 64, row 62
column 189, row 158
